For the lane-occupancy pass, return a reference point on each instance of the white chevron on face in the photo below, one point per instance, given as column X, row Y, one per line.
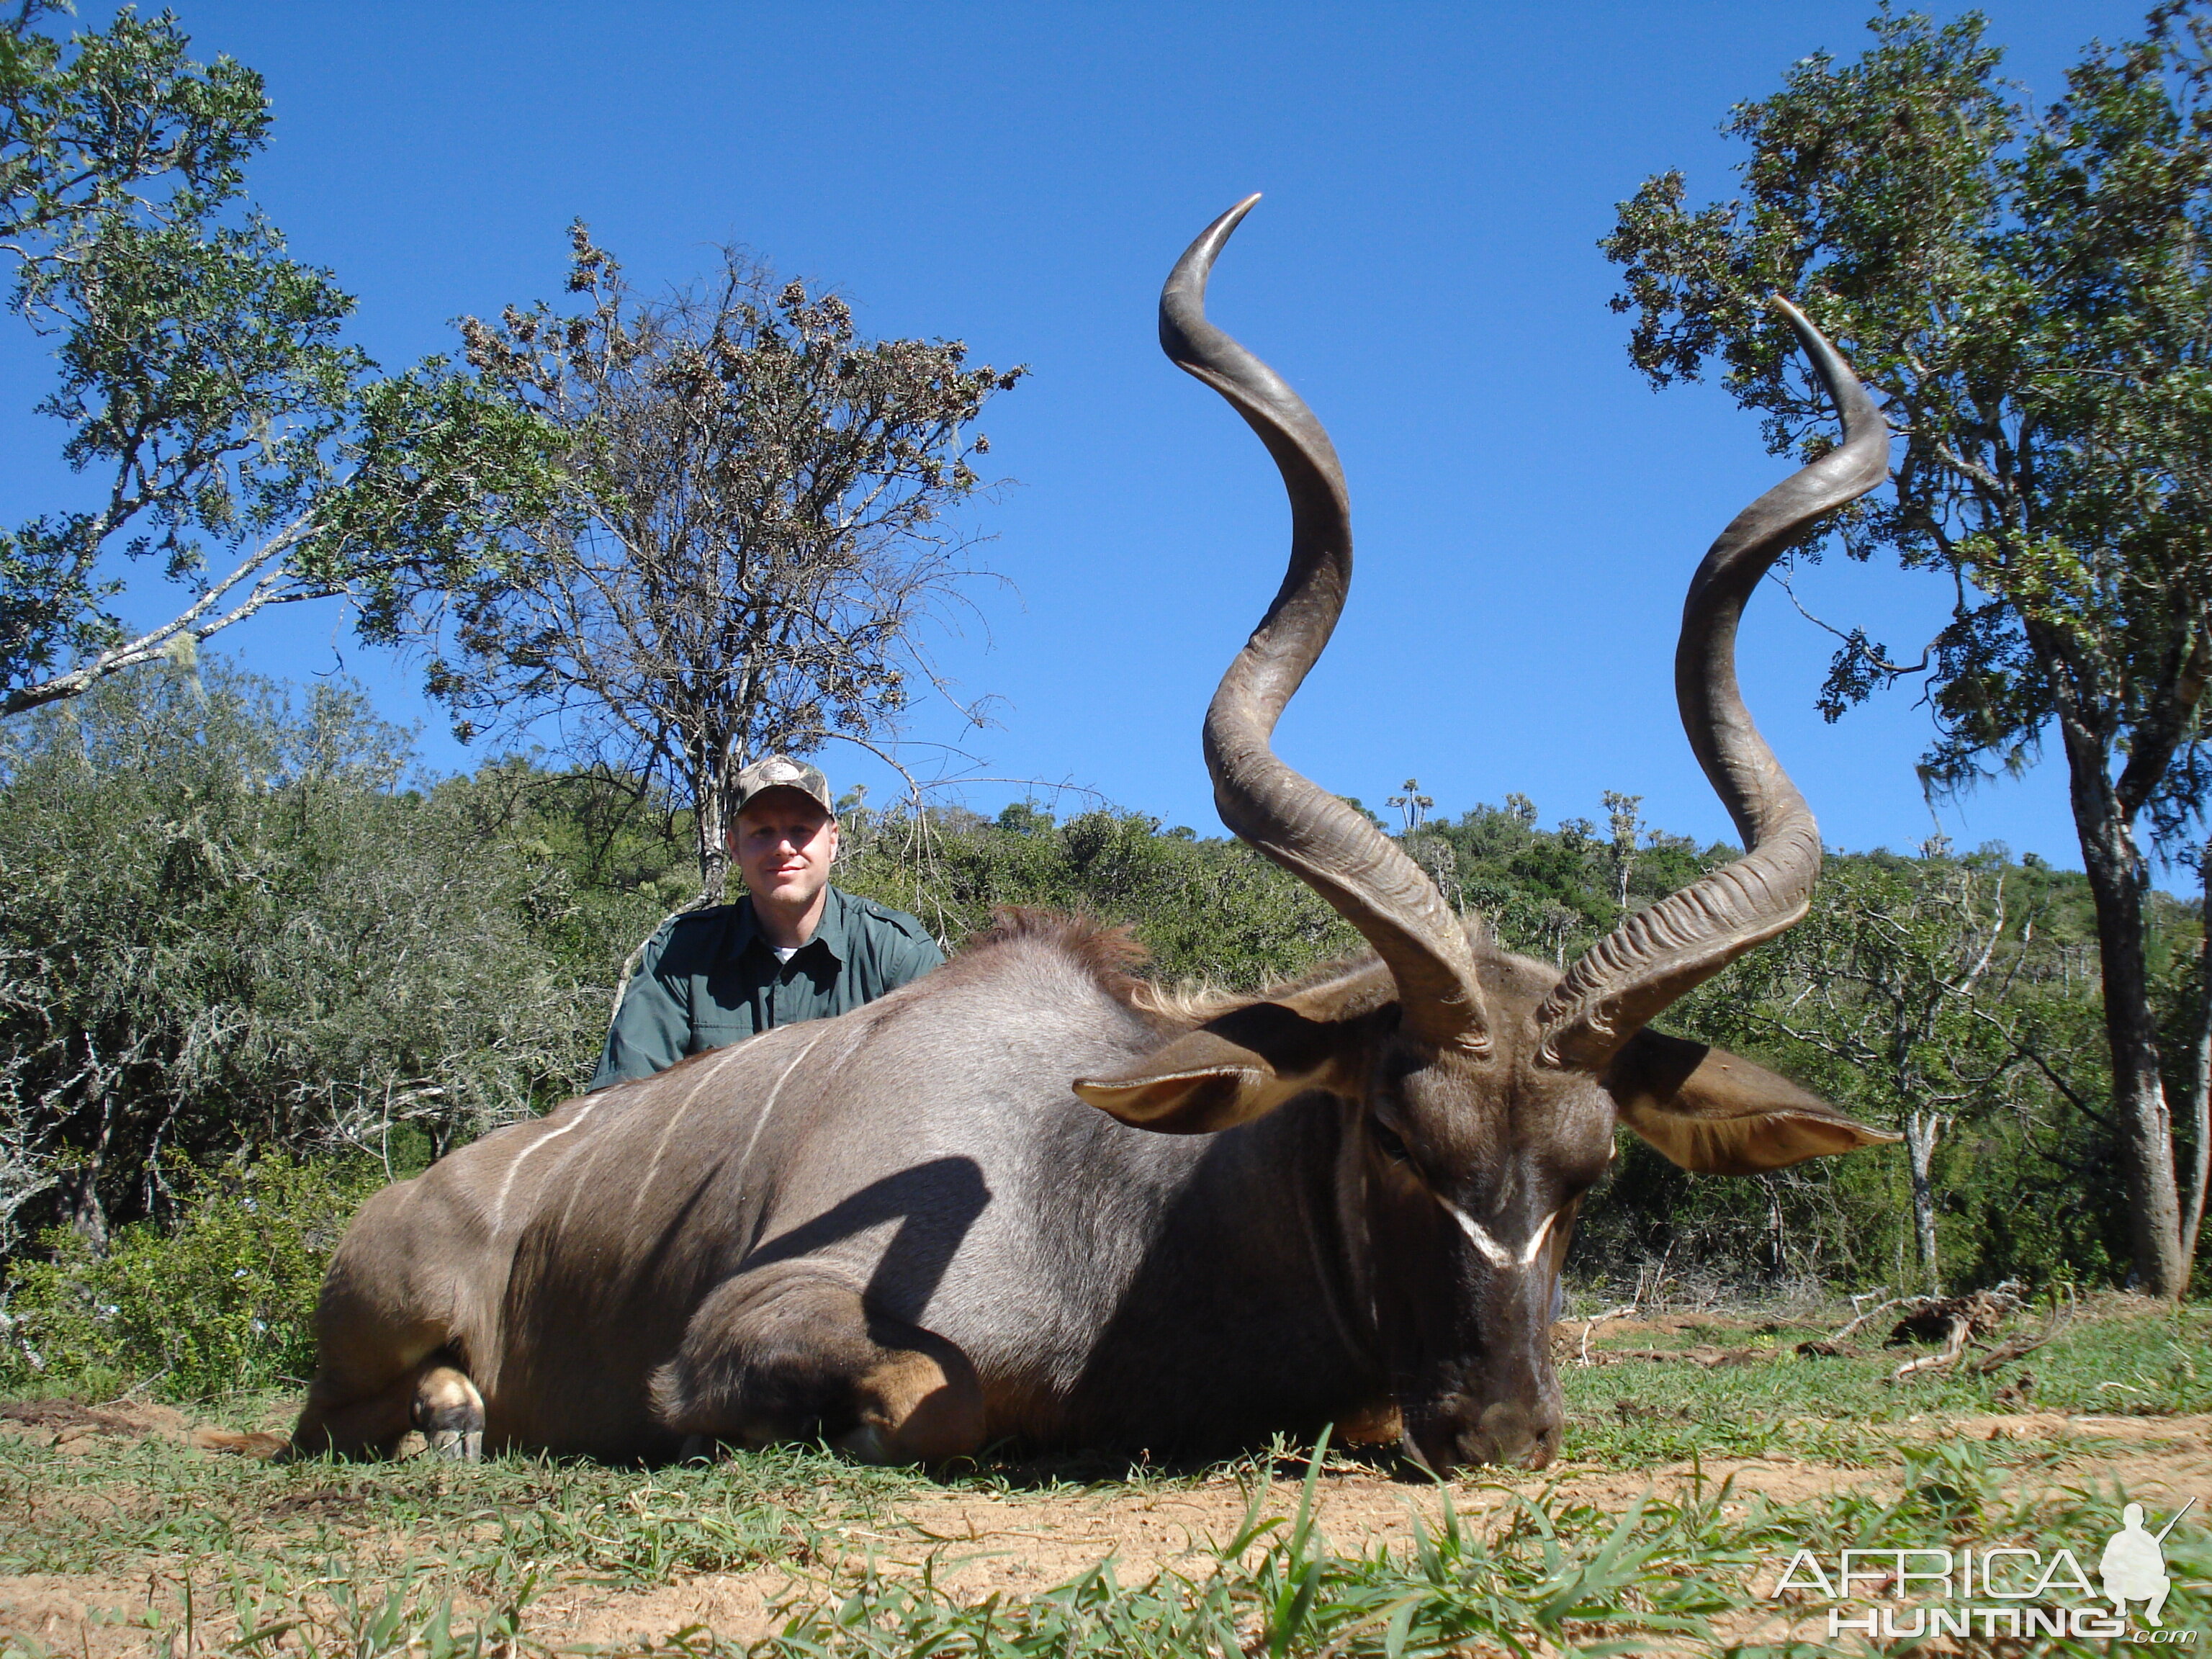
column 1492, row 1252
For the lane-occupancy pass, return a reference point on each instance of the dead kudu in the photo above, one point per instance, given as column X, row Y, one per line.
column 1031, row 1197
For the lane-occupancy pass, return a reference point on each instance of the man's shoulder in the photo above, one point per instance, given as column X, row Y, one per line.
column 701, row 934
column 709, row 918
column 880, row 918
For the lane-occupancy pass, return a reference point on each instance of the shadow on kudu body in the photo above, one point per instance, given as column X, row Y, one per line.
column 1031, row 1196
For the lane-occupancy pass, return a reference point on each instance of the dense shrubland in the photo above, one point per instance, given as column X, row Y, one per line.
column 232, row 931
column 252, row 965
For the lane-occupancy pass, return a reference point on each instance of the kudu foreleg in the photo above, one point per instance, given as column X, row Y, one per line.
column 432, row 1395
column 449, row 1412
column 794, row 1355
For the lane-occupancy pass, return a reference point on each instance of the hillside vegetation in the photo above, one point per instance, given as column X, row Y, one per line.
column 252, row 965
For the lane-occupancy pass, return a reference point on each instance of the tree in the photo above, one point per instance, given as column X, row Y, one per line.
column 1621, row 817
column 755, row 528
column 2032, row 292
column 1890, row 976
column 120, row 123
column 202, row 377
column 1413, row 805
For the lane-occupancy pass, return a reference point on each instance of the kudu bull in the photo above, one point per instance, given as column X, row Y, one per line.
column 1031, row 1196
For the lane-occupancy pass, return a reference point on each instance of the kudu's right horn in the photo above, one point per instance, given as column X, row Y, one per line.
column 1623, row 981
column 1302, row 827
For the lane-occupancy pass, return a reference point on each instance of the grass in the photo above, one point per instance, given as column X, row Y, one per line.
column 1848, row 1411
column 125, row 1507
column 425, row 1558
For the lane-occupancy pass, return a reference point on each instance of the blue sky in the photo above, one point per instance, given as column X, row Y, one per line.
column 1424, row 269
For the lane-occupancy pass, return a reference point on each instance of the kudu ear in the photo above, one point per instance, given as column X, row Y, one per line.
column 1716, row 1113
column 1228, row 1070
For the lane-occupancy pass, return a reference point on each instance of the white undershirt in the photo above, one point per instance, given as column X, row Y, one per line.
column 784, row 952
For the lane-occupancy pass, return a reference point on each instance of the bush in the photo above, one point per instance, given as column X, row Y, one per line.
column 1212, row 909
column 230, row 934
column 222, row 1300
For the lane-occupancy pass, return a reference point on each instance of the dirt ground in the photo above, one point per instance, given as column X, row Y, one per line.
column 1016, row 1542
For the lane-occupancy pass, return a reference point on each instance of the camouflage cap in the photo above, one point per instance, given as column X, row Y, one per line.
column 781, row 772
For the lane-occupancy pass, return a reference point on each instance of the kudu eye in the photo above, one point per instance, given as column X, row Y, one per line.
column 1394, row 1146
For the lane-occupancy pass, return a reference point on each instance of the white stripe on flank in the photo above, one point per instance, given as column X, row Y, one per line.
column 707, row 1074
column 499, row 1209
column 769, row 1105
column 1492, row 1252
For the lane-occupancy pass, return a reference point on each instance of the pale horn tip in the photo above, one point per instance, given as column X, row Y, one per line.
column 1865, row 432
column 1183, row 298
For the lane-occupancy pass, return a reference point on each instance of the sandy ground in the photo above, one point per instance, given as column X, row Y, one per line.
column 1020, row 1541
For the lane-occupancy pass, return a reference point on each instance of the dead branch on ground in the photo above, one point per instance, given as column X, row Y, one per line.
column 1962, row 1321
column 1593, row 1322
column 1954, row 1344
column 2014, row 1347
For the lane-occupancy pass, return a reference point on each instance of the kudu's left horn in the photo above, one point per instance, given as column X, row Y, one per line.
column 1625, row 979
column 1304, row 827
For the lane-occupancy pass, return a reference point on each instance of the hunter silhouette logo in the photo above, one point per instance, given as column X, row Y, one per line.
column 2134, row 1565
column 1990, row 1590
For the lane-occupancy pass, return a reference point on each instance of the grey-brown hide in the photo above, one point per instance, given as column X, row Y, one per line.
column 905, row 1231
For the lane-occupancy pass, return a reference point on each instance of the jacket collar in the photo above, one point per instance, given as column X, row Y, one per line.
column 833, row 933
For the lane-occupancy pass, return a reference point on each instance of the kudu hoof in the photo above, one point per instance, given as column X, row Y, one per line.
column 450, row 1413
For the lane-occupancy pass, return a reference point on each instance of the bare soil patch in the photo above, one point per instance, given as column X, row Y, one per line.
column 64, row 1423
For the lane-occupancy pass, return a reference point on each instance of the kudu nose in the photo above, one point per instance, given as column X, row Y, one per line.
column 1507, row 1433
column 1513, row 1436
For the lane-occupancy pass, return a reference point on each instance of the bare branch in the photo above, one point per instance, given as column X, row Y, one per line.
column 757, row 532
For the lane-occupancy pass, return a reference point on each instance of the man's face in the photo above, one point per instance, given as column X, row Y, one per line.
column 784, row 843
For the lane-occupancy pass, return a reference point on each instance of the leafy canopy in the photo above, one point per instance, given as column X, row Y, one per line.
column 226, row 427
column 230, row 933
column 118, row 124
column 2030, row 291
column 758, row 513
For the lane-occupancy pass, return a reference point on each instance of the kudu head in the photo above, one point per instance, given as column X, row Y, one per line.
column 1480, row 1091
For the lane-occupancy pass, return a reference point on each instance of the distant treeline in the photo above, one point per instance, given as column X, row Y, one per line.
column 238, row 929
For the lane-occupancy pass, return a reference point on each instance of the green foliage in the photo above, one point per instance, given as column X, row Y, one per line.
column 1924, row 996
column 1551, row 893
column 230, row 933
column 1958, row 995
column 2028, row 290
column 201, row 373
column 1211, row 909
column 223, row 1299
column 117, row 123
column 2027, row 287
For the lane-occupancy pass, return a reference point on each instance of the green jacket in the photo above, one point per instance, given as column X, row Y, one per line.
column 709, row 979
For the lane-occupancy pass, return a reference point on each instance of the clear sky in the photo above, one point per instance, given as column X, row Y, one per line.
column 1424, row 269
